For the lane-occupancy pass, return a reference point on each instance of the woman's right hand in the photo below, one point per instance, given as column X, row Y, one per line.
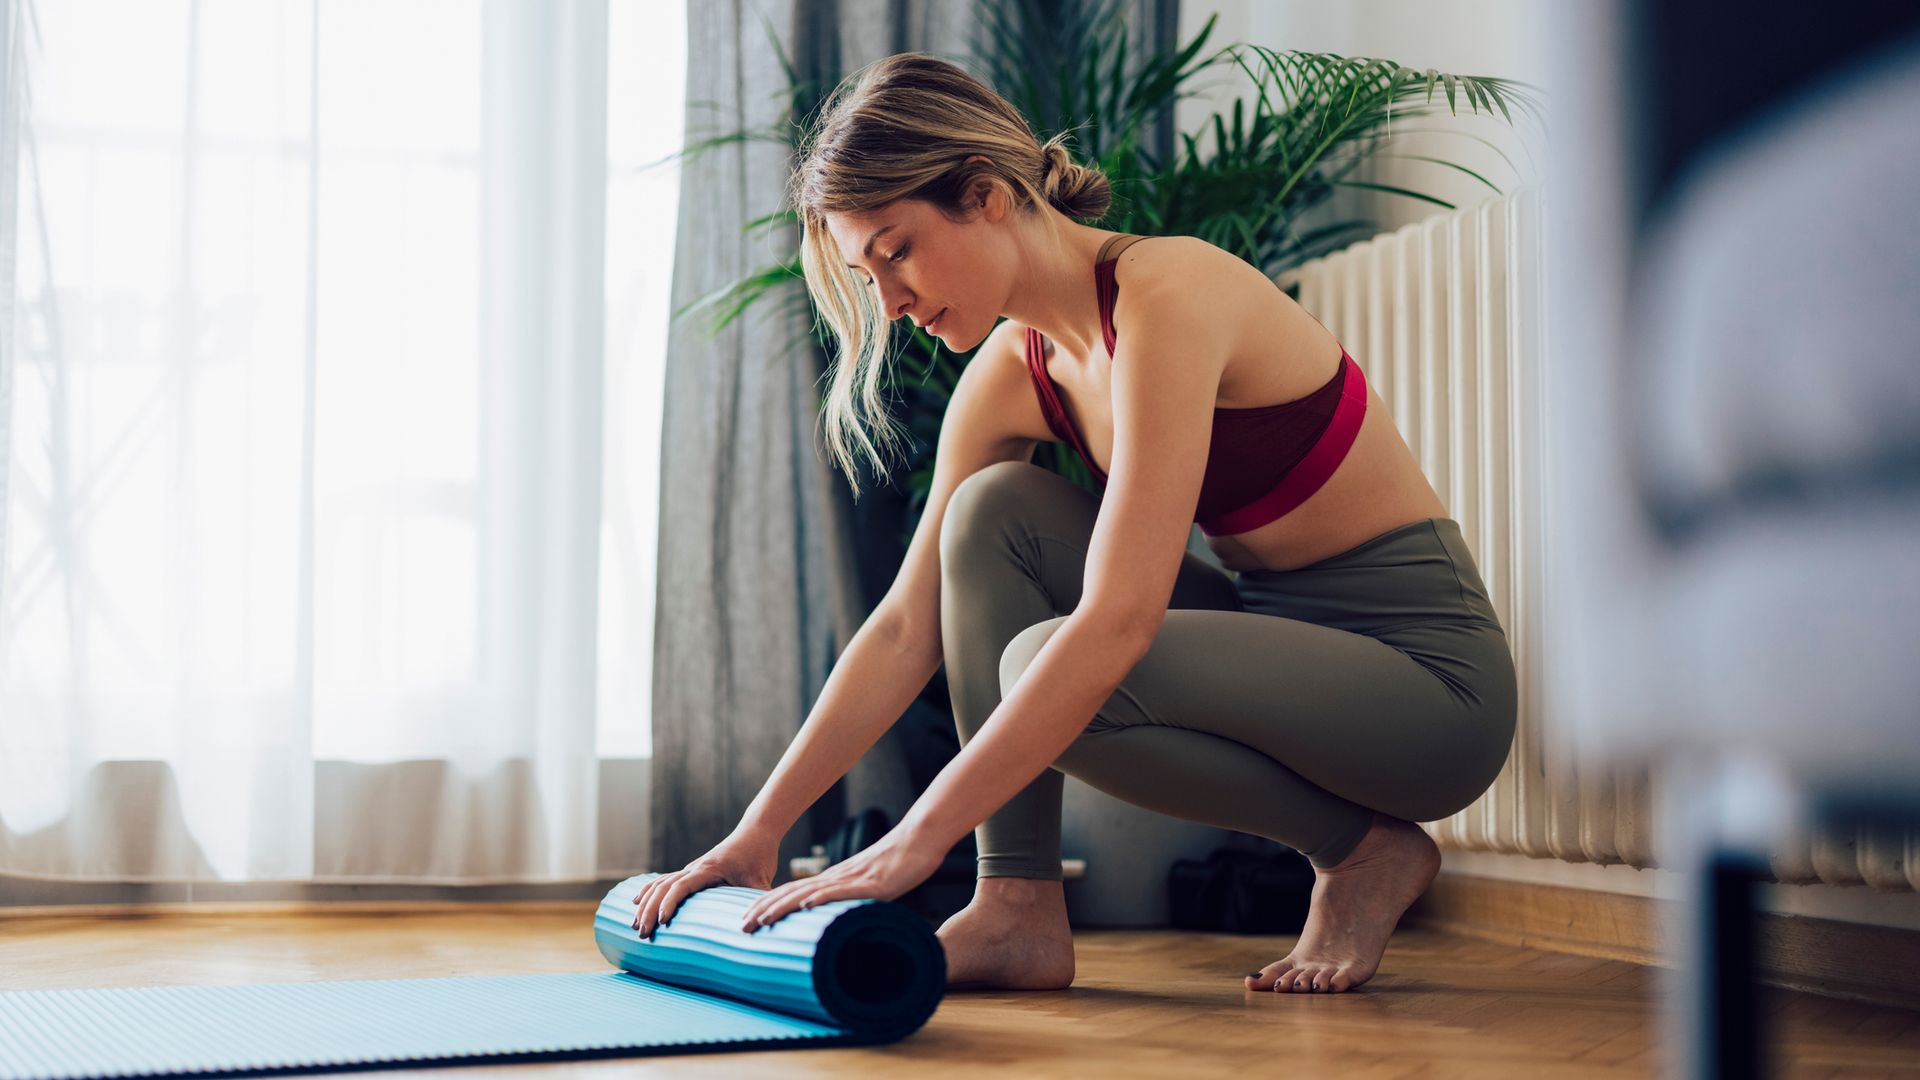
column 731, row 862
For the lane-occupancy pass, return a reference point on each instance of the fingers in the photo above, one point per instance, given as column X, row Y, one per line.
column 645, row 918
column 654, row 904
column 657, row 901
column 670, row 898
column 759, row 907
column 794, row 896
column 639, row 902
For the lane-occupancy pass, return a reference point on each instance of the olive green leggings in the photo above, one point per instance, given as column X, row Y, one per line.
column 1286, row 704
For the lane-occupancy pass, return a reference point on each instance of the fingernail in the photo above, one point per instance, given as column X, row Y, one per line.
column 1253, row 974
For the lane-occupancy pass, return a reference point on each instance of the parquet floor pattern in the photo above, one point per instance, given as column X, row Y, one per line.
column 1145, row 1003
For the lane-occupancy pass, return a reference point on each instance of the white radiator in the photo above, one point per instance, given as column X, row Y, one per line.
column 1445, row 316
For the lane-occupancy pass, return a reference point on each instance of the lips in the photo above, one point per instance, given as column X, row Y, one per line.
column 931, row 323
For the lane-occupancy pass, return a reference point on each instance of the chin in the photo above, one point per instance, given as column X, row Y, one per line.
column 958, row 345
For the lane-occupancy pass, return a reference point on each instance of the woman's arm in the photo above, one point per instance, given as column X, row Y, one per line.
column 1166, row 376
column 992, row 417
column 883, row 669
column 1075, row 672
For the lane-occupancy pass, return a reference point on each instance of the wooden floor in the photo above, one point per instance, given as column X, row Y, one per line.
column 1144, row 1003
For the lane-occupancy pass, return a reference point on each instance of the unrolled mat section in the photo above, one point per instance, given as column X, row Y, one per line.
column 845, row 973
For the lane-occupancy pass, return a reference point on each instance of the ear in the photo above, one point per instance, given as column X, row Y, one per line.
column 985, row 196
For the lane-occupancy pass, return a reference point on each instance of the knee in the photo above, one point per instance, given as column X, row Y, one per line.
column 985, row 500
column 1019, row 653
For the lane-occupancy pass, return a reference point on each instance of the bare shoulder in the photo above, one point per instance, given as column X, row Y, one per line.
column 1004, row 345
column 1190, row 267
column 996, row 388
column 1271, row 349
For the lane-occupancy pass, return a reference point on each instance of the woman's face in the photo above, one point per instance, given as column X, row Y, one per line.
column 924, row 266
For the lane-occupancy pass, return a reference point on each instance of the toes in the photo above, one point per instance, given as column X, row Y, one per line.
column 1284, row 977
column 1348, row 978
column 1262, row 979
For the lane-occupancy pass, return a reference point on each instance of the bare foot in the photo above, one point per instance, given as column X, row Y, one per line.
column 1354, row 909
column 1013, row 936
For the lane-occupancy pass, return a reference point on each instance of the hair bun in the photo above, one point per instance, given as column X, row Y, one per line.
column 1056, row 169
column 1076, row 190
column 1054, row 161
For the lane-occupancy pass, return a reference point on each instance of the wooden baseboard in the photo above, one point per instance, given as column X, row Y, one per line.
column 1876, row 964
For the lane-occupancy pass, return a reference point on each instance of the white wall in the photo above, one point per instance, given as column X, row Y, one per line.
column 1503, row 38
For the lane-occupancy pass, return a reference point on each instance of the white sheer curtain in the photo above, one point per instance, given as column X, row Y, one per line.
column 328, row 432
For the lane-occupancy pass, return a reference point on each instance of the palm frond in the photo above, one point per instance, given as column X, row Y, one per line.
column 1393, row 190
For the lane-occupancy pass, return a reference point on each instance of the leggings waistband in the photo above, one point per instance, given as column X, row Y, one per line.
column 1418, row 573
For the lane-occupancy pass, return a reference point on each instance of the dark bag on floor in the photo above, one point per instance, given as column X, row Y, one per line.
column 1241, row 891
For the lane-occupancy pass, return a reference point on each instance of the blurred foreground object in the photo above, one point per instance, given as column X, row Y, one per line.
column 1734, row 444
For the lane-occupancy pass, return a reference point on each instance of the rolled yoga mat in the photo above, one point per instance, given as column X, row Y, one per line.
column 845, row 973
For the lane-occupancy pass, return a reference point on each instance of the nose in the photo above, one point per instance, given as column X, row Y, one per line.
column 894, row 300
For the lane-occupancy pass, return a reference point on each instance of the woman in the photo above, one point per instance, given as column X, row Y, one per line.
column 1351, row 680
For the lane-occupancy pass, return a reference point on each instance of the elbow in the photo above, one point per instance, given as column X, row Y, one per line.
column 908, row 636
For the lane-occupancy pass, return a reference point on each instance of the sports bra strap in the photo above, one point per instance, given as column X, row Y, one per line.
column 1104, row 285
column 1125, row 240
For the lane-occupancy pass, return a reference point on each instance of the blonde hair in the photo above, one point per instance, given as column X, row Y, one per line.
column 904, row 128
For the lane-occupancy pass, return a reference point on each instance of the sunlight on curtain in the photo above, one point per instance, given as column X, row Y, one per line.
column 645, row 123
column 330, row 409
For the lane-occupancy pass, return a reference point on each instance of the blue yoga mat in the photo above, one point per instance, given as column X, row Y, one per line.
column 845, row 973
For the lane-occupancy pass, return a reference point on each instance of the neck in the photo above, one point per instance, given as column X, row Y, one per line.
column 1053, row 292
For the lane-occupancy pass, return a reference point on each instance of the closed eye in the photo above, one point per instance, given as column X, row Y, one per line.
column 894, row 258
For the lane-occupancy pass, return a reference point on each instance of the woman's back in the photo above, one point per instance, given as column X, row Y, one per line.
column 1279, row 392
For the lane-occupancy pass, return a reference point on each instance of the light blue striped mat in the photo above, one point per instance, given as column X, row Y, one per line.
column 846, row 973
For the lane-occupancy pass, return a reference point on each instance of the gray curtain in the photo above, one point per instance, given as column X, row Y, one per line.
column 759, row 575
column 758, row 591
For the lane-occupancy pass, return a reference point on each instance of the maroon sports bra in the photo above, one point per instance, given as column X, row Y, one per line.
column 1261, row 461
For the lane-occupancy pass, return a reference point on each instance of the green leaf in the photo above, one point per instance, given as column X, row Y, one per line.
column 1396, row 191
column 1440, row 161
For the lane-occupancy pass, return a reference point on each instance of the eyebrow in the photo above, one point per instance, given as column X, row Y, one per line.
column 867, row 251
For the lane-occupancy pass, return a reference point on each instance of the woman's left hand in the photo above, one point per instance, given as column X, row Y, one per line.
column 887, row 870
